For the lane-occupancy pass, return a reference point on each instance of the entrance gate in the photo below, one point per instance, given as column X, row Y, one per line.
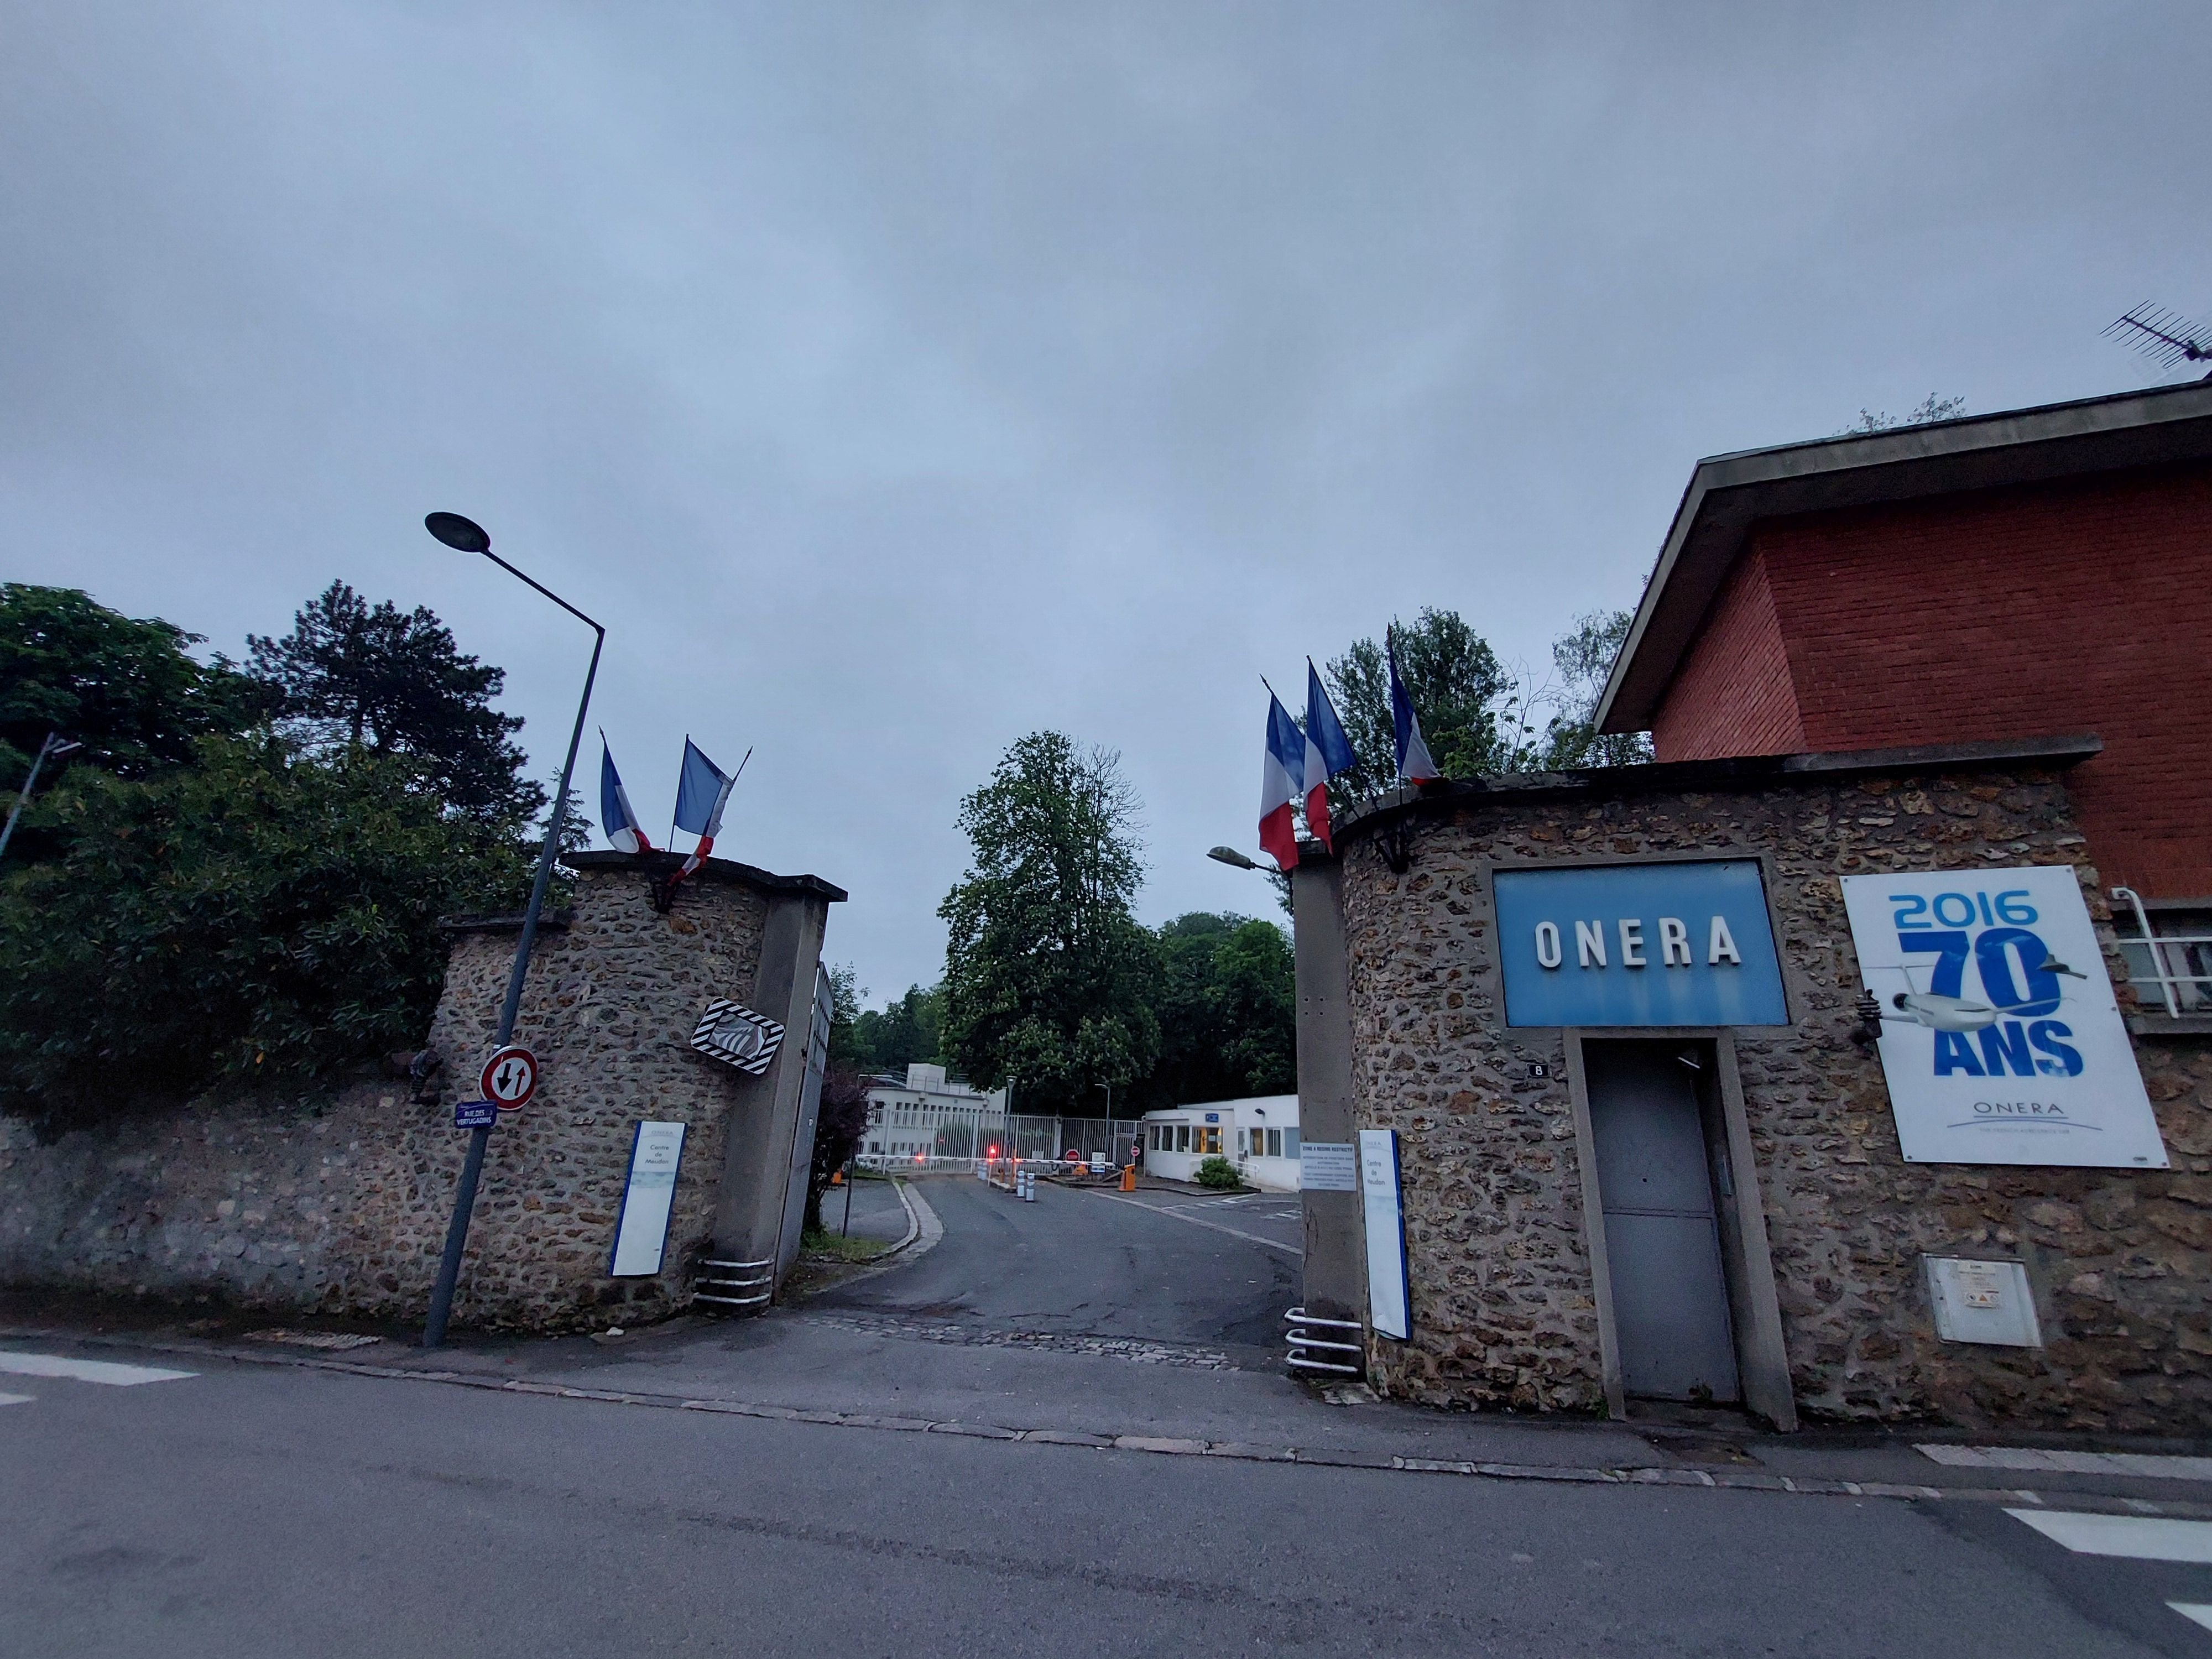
column 1670, row 1300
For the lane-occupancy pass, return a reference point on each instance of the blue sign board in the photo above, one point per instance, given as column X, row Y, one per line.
column 1684, row 944
column 475, row 1114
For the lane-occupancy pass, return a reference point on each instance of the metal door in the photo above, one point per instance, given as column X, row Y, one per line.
column 1670, row 1307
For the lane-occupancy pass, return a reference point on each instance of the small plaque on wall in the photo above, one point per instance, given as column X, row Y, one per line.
column 1983, row 1302
column 1328, row 1166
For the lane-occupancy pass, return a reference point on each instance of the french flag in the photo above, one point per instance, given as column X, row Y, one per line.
column 624, row 833
column 1328, row 752
column 1282, row 775
column 1414, row 764
column 703, row 790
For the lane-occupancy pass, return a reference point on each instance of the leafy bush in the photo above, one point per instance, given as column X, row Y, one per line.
column 257, row 916
column 1218, row 1171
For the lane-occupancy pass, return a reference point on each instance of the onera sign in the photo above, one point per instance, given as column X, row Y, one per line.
column 510, row 1077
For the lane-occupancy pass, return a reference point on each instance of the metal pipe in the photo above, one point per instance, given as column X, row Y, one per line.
column 54, row 745
column 2157, row 951
column 465, row 1198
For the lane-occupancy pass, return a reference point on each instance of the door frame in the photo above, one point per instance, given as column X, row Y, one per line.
column 1762, row 1359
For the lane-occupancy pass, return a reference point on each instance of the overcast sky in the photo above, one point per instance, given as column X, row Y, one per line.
column 894, row 379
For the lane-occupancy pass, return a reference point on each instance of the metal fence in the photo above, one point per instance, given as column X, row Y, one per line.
column 1038, row 1138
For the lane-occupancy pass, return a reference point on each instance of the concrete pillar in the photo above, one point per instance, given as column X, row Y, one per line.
column 764, row 1117
column 1335, row 1261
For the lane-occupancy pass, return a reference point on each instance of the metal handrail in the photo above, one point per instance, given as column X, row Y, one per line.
column 736, row 1276
column 1301, row 1342
column 2155, row 945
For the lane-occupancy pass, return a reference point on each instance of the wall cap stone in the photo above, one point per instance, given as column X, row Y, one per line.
column 718, row 870
column 1734, row 772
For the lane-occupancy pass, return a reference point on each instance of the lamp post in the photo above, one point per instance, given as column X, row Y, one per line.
column 465, row 536
column 54, row 748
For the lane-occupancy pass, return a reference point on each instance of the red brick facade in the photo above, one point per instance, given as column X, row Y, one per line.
column 2080, row 606
column 1734, row 695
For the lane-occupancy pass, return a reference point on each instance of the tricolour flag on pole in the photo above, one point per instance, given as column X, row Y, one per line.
column 701, row 794
column 1415, row 765
column 1328, row 752
column 624, row 833
column 1281, row 775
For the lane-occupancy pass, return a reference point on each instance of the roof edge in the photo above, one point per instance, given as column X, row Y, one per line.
column 2057, row 753
column 1726, row 494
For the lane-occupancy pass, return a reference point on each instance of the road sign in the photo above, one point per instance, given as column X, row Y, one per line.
column 474, row 1114
column 510, row 1077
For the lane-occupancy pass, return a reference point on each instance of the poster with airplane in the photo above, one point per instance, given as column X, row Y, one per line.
column 2001, row 1039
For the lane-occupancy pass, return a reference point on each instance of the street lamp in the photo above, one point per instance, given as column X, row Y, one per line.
column 1230, row 855
column 465, row 536
column 54, row 748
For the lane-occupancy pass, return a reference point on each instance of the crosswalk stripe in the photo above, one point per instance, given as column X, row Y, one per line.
column 15, row 1399
column 2138, row 1536
column 2145, row 1465
column 86, row 1371
column 2199, row 1611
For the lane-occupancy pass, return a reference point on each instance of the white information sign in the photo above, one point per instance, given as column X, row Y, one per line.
column 642, row 1231
column 2001, row 1039
column 1328, row 1166
column 1386, row 1232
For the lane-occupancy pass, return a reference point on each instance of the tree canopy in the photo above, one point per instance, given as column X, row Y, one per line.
column 1584, row 662
column 350, row 677
column 221, row 895
column 1227, row 1012
column 1458, row 687
column 127, row 688
column 1046, row 969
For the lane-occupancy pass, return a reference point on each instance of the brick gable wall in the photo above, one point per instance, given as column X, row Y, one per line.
column 2080, row 606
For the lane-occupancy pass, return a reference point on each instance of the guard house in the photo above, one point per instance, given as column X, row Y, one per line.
column 1807, row 1070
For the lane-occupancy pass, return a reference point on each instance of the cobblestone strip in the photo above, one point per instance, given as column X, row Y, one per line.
column 1144, row 1352
column 1554, row 1474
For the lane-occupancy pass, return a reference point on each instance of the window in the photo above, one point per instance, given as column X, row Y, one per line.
column 1274, row 1143
column 1290, row 1143
column 1243, row 1145
column 1182, row 1137
column 1210, row 1142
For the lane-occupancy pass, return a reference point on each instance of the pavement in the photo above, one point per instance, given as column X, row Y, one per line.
column 865, row 1209
column 1061, row 1427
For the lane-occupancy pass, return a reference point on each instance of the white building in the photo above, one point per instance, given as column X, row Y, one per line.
column 930, row 1116
column 1259, row 1136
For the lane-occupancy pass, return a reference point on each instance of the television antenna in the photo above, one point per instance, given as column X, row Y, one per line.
column 2170, row 337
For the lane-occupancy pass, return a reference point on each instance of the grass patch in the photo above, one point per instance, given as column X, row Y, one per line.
column 839, row 1248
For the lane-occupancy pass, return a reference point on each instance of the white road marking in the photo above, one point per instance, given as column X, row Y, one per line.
column 2136, row 1537
column 2146, row 1466
column 86, row 1371
column 15, row 1399
column 2199, row 1611
column 1196, row 1221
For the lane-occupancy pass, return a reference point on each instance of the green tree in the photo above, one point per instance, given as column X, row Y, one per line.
column 126, row 689
column 1226, row 1007
column 839, row 1131
column 1584, row 662
column 1469, row 705
column 349, row 676
column 845, row 994
column 1047, row 973
column 260, row 916
column 903, row 1030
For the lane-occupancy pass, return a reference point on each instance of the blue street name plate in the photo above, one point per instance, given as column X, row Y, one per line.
column 1666, row 943
column 475, row 1114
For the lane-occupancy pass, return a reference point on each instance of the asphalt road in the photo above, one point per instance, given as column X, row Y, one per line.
column 1092, row 1263
column 255, row 1509
column 246, row 1511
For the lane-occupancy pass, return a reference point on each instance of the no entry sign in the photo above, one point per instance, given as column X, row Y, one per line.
column 510, row 1077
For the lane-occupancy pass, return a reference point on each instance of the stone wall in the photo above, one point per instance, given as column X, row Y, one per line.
column 343, row 1208
column 1503, row 1295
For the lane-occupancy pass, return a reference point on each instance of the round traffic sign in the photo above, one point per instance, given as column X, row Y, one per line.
column 510, row 1077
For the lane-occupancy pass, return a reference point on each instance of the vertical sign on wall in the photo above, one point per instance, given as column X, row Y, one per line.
column 2001, row 1039
column 1386, row 1233
column 641, row 1229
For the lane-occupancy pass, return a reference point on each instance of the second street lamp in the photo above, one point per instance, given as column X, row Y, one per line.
column 465, row 536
